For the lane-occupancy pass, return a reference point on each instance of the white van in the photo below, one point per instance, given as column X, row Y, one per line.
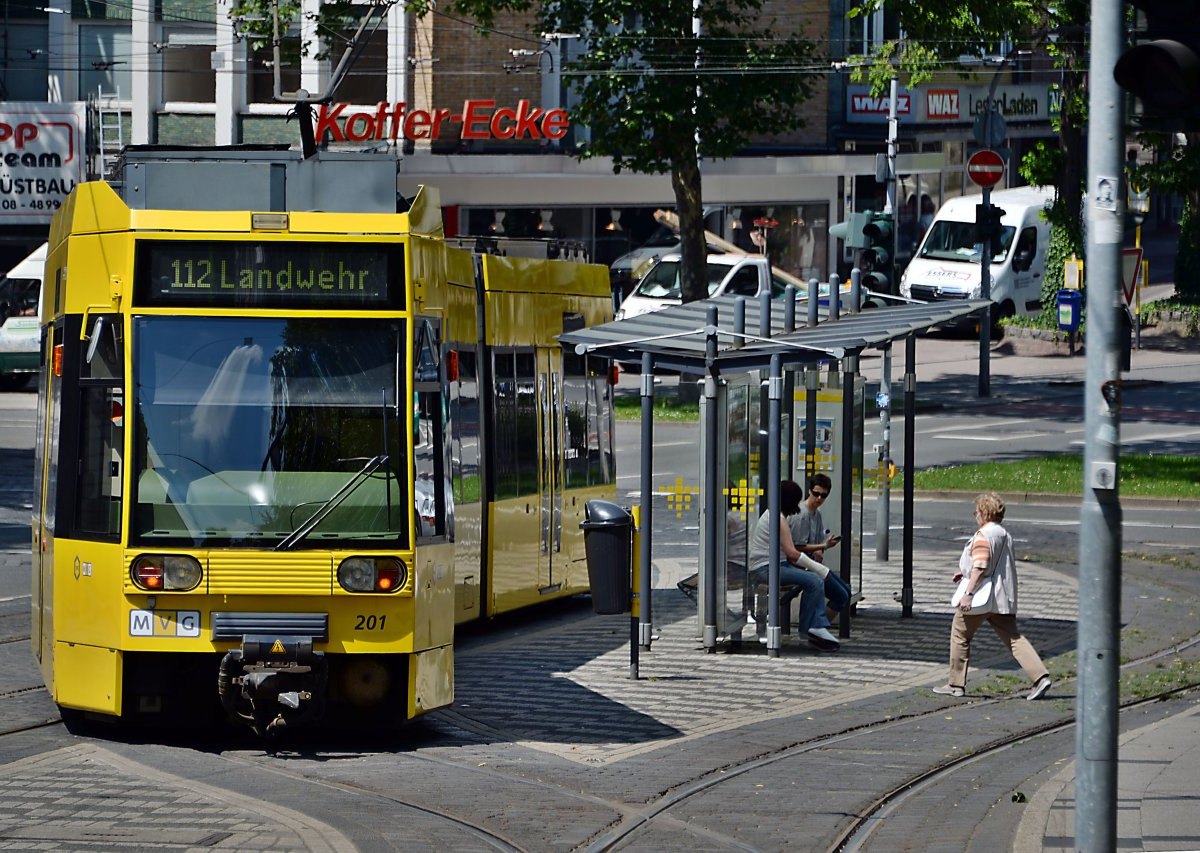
column 728, row 275
column 20, row 319
column 947, row 263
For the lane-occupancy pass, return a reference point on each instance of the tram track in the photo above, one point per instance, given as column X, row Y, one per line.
column 629, row 822
column 853, row 836
column 475, row 829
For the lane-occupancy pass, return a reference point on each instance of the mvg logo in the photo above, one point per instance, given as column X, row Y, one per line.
column 164, row 623
column 872, row 105
column 941, row 103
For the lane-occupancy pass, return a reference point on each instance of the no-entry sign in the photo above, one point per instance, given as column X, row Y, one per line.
column 985, row 167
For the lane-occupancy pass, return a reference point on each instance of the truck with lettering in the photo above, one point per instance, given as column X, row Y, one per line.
column 949, row 261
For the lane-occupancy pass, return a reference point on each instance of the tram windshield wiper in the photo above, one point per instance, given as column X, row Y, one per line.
column 332, row 503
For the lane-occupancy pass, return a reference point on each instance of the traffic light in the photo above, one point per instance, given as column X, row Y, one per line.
column 1164, row 72
column 851, row 231
column 987, row 223
column 877, row 257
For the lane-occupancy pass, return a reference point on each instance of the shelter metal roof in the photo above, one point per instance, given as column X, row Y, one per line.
column 676, row 336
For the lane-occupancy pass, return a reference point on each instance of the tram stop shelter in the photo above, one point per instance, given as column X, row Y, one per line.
column 780, row 398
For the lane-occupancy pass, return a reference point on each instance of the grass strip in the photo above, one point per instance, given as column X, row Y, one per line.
column 1140, row 475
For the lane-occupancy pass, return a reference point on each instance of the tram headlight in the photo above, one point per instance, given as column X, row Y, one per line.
column 165, row 572
column 372, row 574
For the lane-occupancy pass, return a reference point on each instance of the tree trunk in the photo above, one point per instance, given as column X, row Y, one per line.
column 685, row 180
column 1070, row 187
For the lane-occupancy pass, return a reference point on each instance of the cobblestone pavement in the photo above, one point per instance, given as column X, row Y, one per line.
column 684, row 694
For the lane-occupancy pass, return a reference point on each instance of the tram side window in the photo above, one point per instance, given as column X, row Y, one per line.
column 464, row 418
column 98, row 492
column 515, row 417
column 527, row 425
column 433, row 501
column 588, row 412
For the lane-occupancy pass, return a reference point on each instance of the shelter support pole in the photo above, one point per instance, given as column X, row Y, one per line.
column 910, row 455
column 846, row 487
column 883, row 514
column 708, row 564
column 787, row 437
column 774, row 423
column 645, row 609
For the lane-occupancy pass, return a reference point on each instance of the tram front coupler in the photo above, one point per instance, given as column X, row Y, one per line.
column 272, row 683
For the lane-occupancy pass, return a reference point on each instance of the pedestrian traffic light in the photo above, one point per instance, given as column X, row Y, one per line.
column 1164, row 72
column 877, row 257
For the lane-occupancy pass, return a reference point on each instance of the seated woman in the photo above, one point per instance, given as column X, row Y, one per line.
column 794, row 569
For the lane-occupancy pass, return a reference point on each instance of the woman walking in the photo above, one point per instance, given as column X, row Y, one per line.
column 988, row 563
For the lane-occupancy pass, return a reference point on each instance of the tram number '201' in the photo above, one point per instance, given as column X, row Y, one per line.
column 371, row 622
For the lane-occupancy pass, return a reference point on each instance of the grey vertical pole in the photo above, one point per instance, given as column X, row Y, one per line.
column 856, row 289
column 985, row 292
column 1100, row 514
column 835, row 299
column 774, row 419
column 739, row 322
column 787, row 438
column 910, row 461
column 645, row 609
column 882, row 505
column 812, row 380
column 764, row 314
column 846, row 487
column 710, row 481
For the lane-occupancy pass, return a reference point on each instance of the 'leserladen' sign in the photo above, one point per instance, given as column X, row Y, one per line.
column 480, row 119
column 41, row 158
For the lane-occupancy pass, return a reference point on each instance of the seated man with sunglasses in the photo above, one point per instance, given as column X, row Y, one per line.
column 797, row 571
column 812, row 539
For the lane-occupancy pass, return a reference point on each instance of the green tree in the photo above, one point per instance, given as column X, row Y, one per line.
column 656, row 97
column 938, row 32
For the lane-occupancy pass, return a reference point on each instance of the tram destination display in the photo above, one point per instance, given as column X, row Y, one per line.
column 172, row 273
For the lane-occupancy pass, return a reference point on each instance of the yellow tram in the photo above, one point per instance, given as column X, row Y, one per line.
column 288, row 438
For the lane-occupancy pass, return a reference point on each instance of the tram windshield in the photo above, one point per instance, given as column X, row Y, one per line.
column 246, row 428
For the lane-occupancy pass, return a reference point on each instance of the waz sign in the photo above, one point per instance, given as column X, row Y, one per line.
column 480, row 119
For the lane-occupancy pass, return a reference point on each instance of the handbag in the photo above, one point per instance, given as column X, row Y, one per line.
column 981, row 601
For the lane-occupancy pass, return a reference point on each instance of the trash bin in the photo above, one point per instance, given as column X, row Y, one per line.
column 1070, row 310
column 608, row 545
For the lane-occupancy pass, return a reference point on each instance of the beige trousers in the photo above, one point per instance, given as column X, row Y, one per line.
column 1005, row 626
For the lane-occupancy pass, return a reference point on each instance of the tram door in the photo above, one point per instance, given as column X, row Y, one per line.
column 551, row 428
column 45, row 493
column 525, row 531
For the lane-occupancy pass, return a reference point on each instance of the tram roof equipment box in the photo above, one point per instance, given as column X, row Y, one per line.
column 256, row 177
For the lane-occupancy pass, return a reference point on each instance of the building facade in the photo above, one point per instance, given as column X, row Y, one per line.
column 182, row 72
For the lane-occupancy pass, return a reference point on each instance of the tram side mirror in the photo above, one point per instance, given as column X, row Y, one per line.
column 94, row 340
